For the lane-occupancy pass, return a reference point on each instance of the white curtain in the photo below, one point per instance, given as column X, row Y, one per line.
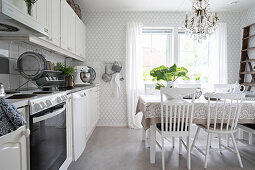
column 134, row 72
column 218, row 55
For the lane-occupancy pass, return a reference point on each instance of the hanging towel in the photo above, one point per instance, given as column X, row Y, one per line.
column 116, row 85
column 10, row 118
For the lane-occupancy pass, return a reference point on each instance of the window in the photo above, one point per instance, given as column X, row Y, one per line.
column 166, row 46
column 194, row 56
column 157, row 49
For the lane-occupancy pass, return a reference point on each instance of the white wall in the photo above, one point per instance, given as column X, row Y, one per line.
column 106, row 43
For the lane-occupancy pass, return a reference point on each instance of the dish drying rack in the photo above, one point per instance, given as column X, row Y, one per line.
column 49, row 80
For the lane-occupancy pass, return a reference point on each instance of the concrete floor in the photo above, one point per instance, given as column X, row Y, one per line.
column 122, row 149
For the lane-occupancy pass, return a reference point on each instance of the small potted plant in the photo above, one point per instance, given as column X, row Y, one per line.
column 168, row 74
column 67, row 72
column 30, row 4
column 197, row 78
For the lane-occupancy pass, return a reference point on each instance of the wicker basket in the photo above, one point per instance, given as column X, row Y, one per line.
column 78, row 10
column 71, row 3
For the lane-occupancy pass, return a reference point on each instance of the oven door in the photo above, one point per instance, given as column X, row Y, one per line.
column 48, row 149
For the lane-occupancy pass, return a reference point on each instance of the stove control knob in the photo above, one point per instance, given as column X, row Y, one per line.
column 48, row 103
column 43, row 104
column 38, row 107
column 59, row 99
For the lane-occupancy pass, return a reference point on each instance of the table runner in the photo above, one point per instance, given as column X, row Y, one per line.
column 149, row 105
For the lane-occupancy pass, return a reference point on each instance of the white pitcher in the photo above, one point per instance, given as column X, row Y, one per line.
column 237, row 87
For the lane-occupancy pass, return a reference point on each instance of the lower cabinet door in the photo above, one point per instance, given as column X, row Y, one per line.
column 13, row 150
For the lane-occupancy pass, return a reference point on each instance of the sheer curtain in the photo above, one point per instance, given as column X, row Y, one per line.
column 134, row 72
column 218, row 55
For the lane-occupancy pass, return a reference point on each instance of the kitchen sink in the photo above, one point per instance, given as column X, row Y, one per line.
column 21, row 96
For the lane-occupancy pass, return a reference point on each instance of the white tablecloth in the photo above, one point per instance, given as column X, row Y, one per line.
column 149, row 105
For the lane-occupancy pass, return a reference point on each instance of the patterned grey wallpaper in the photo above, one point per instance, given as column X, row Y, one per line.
column 106, row 43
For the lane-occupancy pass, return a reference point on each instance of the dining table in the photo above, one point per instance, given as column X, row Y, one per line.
column 150, row 108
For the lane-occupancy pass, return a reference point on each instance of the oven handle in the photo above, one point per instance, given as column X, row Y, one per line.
column 50, row 115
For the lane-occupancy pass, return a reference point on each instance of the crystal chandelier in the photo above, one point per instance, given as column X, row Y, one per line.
column 202, row 23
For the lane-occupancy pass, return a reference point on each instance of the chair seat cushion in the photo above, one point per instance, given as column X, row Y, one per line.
column 168, row 127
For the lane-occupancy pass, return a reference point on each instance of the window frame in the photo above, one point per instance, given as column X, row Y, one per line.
column 170, row 46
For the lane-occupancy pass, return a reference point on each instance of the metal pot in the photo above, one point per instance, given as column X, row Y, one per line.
column 106, row 77
column 85, row 76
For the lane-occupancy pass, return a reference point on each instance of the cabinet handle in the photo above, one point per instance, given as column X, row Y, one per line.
column 46, row 30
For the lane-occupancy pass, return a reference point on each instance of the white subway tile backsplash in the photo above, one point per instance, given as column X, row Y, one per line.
column 13, row 67
column 5, row 80
column 12, row 50
column 14, row 81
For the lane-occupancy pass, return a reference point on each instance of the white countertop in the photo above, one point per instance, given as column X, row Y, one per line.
column 24, row 102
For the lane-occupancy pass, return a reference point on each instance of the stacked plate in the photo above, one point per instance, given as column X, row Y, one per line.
column 31, row 65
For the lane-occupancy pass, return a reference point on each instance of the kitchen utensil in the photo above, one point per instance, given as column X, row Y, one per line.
column 47, row 81
column 106, row 77
column 116, row 67
column 31, row 65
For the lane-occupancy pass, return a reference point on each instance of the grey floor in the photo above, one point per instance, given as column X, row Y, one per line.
column 123, row 149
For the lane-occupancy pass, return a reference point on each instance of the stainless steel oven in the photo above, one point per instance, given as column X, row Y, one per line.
column 48, row 146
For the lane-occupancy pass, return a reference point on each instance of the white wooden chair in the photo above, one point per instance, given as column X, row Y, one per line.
column 226, row 123
column 222, row 88
column 248, row 128
column 176, row 118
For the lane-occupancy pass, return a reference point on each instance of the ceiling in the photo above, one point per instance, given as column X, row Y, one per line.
column 160, row 5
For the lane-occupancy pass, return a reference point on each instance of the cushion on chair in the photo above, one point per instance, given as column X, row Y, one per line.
column 168, row 127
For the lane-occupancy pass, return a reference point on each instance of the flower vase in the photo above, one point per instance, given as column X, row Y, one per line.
column 29, row 8
column 69, row 81
column 170, row 84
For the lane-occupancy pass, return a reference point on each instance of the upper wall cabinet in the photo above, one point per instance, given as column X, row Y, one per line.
column 52, row 20
column 14, row 13
column 42, row 13
column 67, row 27
column 66, row 32
column 54, row 34
column 80, row 37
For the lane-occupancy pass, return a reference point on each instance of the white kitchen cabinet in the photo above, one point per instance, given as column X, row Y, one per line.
column 14, row 150
column 42, row 13
column 92, row 110
column 67, row 27
column 88, row 113
column 79, row 37
column 54, row 22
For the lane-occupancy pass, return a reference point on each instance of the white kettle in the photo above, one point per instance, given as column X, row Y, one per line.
column 237, row 88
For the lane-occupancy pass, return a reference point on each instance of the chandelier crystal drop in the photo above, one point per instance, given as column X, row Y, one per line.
column 202, row 22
